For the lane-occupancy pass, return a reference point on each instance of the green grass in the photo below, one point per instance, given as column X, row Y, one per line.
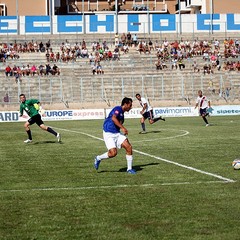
column 51, row 191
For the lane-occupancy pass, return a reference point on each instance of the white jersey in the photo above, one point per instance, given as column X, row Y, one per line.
column 143, row 102
column 202, row 102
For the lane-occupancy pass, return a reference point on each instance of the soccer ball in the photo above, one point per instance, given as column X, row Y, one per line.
column 236, row 164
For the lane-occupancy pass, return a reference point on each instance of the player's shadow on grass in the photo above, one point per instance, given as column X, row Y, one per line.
column 46, row 142
column 138, row 167
column 154, row 131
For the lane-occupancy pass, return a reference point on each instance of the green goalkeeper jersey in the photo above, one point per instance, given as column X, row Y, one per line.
column 28, row 107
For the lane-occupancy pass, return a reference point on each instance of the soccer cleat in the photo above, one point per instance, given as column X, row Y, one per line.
column 142, row 132
column 28, row 141
column 131, row 171
column 96, row 163
column 163, row 119
column 59, row 137
column 207, row 125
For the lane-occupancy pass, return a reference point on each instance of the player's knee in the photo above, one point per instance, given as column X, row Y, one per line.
column 112, row 153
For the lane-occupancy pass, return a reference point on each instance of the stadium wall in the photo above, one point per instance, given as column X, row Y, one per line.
column 110, row 23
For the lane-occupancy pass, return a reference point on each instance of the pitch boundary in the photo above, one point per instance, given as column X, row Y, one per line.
column 109, row 186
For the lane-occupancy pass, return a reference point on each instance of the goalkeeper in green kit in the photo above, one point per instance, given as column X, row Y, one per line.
column 31, row 107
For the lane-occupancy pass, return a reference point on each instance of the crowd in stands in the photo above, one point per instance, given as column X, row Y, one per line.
column 174, row 54
column 205, row 56
column 21, row 71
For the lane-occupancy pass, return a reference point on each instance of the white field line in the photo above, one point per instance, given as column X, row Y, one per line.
column 159, row 158
column 106, row 187
column 184, row 133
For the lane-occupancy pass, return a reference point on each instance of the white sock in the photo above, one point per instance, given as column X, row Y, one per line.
column 103, row 156
column 129, row 162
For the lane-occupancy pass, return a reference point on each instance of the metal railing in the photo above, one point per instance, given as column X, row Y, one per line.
column 100, row 88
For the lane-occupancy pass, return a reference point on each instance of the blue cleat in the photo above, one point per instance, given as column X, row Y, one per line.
column 131, row 171
column 96, row 163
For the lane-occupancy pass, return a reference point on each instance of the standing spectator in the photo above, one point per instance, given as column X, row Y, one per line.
column 129, row 39
column 123, row 39
column 116, row 39
column 135, row 40
column 203, row 104
column 146, row 112
column 113, row 138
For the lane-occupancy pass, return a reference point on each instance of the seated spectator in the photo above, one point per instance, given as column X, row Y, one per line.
column 8, row 71
column 94, row 69
column 55, row 70
column 116, row 54
column 18, row 75
column 141, row 47
column 218, row 64
column 6, row 98
column 150, row 45
column 41, row 47
column 23, row 70
column 51, row 57
column 110, row 55
column 28, row 70
column 48, row 69
column 84, row 53
column 207, row 69
column 195, row 67
column 48, row 56
column 41, row 70
column 57, row 57
column 125, row 48
column 174, row 63
column 181, row 64
column 158, row 65
column 91, row 59
column 33, row 70
column 14, row 70
column 99, row 69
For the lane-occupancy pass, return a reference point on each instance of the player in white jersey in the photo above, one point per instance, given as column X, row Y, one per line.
column 203, row 103
column 147, row 113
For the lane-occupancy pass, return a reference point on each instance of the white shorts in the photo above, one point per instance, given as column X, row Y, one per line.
column 113, row 140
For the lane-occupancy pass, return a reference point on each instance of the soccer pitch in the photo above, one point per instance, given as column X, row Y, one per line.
column 185, row 186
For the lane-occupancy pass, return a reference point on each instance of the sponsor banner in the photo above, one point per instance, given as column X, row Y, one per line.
column 55, row 115
column 88, row 114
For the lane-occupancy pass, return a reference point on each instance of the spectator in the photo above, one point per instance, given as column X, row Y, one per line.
column 33, row 70
column 84, row 53
column 41, row 70
column 94, row 69
column 158, row 65
column 8, row 71
column 195, row 67
column 6, row 98
column 116, row 39
column 129, row 39
column 99, row 69
column 48, row 69
column 135, row 40
column 91, row 59
column 55, row 70
column 181, row 64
